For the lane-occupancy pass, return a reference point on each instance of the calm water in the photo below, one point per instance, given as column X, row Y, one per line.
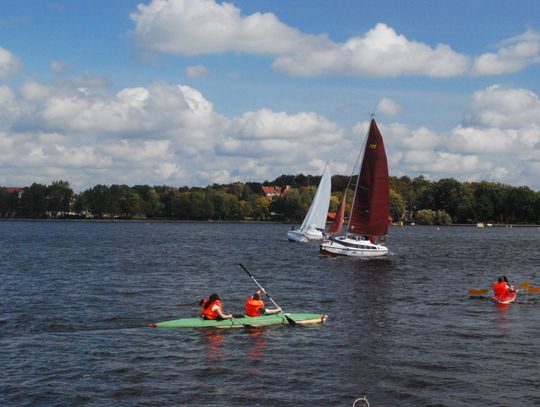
column 76, row 299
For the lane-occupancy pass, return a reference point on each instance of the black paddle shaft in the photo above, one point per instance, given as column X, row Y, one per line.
column 290, row 320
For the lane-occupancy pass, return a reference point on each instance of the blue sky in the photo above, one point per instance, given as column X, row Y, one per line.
column 192, row 92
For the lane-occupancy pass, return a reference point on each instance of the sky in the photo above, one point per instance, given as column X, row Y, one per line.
column 197, row 92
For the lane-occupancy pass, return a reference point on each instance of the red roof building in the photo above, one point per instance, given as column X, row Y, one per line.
column 271, row 191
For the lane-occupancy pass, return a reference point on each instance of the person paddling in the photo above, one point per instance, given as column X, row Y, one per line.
column 255, row 306
column 211, row 308
column 501, row 287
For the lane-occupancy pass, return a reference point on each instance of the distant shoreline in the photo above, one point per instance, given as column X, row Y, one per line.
column 494, row 225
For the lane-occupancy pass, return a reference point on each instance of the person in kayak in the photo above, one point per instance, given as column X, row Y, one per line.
column 255, row 306
column 211, row 308
column 501, row 288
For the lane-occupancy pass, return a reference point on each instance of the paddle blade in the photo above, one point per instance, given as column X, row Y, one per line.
column 483, row 291
column 533, row 290
column 525, row 284
column 291, row 321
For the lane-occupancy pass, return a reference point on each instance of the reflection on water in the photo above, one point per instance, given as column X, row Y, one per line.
column 503, row 315
column 257, row 344
column 214, row 339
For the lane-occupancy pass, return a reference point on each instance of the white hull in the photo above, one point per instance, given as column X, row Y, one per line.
column 296, row 236
column 352, row 246
column 304, row 237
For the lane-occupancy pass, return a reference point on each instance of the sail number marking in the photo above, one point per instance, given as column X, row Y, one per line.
column 373, row 146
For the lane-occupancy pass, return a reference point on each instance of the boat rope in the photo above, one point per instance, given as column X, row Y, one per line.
column 363, row 399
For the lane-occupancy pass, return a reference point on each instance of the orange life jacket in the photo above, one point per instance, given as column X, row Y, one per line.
column 501, row 289
column 253, row 306
column 207, row 312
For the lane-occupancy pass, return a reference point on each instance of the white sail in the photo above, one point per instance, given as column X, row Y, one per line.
column 315, row 219
column 318, row 211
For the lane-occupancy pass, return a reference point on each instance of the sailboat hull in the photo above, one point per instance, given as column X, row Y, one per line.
column 304, row 237
column 352, row 246
column 296, row 236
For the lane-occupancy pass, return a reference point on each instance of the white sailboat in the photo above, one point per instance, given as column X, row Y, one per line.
column 312, row 227
column 368, row 222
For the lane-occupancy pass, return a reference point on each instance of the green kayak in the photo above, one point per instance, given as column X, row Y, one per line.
column 275, row 319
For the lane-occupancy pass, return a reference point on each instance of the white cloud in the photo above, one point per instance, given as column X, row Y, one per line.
column 499, row 141
column 414, row 139
column 514, row 54
column 282, row 139
column 504, row 107
column 9, row 63
column 388, row 107
column 470, row 140
column 169, row 171
column 138, row 150
column 443, row 164
column 80, row 157
column 170, row 134
column 196, row 71
column 381, row 52
column 194, row 27
column 178, row 112
column 59, row 67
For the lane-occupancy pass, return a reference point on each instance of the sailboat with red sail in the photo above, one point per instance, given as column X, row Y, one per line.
column 368, row 220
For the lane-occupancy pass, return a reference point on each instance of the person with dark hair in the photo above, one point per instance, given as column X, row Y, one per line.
column 255, row 306
column 212, row 308
column 501, row 287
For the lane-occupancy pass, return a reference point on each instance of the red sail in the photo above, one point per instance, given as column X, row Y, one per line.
column 337, row 225
column 369, row 216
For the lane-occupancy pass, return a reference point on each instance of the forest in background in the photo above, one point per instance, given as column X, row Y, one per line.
column 417, row 200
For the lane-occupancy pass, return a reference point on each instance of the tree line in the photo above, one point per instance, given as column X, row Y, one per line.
column 411, row 200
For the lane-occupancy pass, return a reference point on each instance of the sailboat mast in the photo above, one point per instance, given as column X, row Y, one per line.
column 360, row 155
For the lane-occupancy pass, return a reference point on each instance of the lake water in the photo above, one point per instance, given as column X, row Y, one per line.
column 77, row 298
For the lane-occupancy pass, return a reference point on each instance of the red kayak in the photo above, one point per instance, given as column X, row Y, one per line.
column 507, row 298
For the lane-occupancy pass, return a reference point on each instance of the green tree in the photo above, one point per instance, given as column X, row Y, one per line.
column 96, row 200
column 465, row 211
column 131, row 204
column 523, row 202
column 118, row 196
column 260, row 207
column 420, row 196
column 5, row 202
column 289, row 206
column 59, row 197
column 441, row 218
column 447, row 194
column 152, row 205
column 397, row 205
column 34, row 201
column 425, row 217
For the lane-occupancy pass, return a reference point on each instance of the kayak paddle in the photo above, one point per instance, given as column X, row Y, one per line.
column 289, row 320
column 235, row 320
column 484, row 291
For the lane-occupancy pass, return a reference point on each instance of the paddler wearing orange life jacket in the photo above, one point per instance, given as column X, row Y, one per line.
column 255, row 306
column 211, row 308
column 501, row 287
